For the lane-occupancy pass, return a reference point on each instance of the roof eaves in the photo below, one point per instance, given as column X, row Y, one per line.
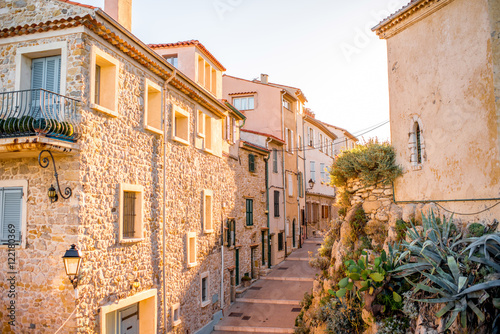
column 236, row 111
column 255, row 147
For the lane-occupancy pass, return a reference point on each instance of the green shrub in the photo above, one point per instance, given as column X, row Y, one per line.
column 401, row 228
column 371, row 163
column 476, row 230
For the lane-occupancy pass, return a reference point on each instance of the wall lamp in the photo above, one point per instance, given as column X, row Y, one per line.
column 72, row 260
column 52, row 193
column 311, row 183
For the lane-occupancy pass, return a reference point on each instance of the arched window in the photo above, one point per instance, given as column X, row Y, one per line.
column 416, row 144
column 419, row 144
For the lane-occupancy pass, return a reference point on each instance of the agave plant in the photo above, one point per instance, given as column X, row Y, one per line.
column 447, row 268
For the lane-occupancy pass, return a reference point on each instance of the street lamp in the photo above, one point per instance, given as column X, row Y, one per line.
column 311, row 183
column 52, row 194
column 72, row 260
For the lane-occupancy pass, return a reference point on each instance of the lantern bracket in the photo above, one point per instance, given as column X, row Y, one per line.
column 44, row 163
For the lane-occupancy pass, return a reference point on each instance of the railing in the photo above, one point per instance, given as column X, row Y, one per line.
column 39, row 112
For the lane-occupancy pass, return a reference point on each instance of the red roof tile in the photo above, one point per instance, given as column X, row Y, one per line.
column 264, row 134
column 192, row 42
column 242, row 93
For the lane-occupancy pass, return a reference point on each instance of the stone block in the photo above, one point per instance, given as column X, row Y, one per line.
column 371, row 206
column 408, row 212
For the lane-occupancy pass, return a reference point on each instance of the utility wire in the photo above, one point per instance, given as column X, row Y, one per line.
column 467, row 214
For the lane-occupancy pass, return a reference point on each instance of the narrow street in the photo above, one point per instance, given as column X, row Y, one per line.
column 271, row 304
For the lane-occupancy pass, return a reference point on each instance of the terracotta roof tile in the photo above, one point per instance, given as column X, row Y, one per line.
column 403, row 9
column 192, row 42
column 264, row 134
column 242, row 93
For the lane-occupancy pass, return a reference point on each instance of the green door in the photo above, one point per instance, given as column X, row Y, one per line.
column 237, row 256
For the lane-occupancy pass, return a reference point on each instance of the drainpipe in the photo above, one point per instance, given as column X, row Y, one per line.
column 267, row 208
column 222, row 259
column 298, row 171
column 164, row 115
column 283, row 165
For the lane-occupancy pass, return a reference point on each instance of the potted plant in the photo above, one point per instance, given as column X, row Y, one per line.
column 245, row 280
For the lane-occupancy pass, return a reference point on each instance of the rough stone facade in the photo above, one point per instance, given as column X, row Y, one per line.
column 112, row 151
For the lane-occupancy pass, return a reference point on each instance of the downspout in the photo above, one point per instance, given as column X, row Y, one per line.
column 267, row 208
column 283, row 165
column 304, row 182
column 164, row 115
column 222, row 260
column 298, row 171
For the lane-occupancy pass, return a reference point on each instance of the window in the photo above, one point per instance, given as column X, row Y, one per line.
column 311, row 137
column 104, row 82
column 207, row 211
column 416, row 144
column 204, row 287
column 249, row 212
column 13, row 212
column 131, row 219
column 180, row 124
column 313, row 171
column 333, row 149
column 201, row 71
column 320, row 142
column 231, row 232
column 276, row 203
column 172, row 60
column 300, row 181
column 251, row 163
column 287, row 104
column 200, row 124
column 137, row 313
column 290, row 185
column 289, row 140
column 419, row 144
column 325, row 211
column 322, row 171
column 228, row 129
column 243, row 103
column 275, row 160
column 214, row 81
column 207, row 76
column 208, row 134
column 176, row 314
column 152, row 107
column 42, row 66
column 191, row 249
column 234, row 128
column 280, row 241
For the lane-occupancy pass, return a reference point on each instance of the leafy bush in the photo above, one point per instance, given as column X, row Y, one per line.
column 401, row 228
column 371, row 163
column 476, row 230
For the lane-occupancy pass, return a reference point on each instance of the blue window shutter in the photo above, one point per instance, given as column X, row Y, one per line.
column 10, row 212
column 53, row 78
column 37, row 73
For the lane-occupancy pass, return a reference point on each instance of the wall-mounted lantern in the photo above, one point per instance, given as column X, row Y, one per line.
column 52, row 192
column 72, row 260
column 311, row 183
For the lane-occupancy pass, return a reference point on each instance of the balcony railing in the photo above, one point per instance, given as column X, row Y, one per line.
column 39, row 112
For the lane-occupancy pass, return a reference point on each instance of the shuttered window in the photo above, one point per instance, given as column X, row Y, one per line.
column 276, row 203
column 249, row 212
column 251, row 163
column 46, row 73
column 10, row 214
column 300, row 178
column 275, row 160
column 280, row 241
column 129, row 214
column 290, row 185
column 313, row 171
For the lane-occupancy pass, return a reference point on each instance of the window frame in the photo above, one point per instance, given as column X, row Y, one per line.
column 281, row 242
column 191, row 236
column 275, row 160
column 206, row 276
column 276, row 203
column 139, row 209
column 252, row 165
column 247, row 98
column 312, row 170
column 208, row 228
column 176, row 307
column 231, row 227
column 178, row 111
column 24, row 209
column 150, row 85
column 100, row 57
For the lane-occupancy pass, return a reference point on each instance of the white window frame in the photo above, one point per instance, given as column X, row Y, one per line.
column 139, row 208
column 112, row 109
column 189, row 237
column 208, row 227
column 147, row 299
column 206, row 302
column 178, row 111
column 152, row 88
column 24, row 204
column 24, row 55
column 244, row 98
column 312, row 170
column 176, row 307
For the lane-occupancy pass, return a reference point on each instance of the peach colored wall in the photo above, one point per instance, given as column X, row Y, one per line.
column 441, row 71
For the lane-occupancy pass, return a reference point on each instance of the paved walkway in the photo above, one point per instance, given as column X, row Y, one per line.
column 271, row 304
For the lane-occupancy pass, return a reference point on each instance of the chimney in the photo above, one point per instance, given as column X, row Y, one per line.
column 264, row 78
column 121, row 11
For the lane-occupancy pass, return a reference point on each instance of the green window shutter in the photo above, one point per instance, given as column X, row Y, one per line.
column 251, row 163
column 249, row 212
column 10, row 212
column 275, row 160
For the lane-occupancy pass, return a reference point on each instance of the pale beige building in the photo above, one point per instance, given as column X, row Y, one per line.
column 145, row 152
column 444, row 84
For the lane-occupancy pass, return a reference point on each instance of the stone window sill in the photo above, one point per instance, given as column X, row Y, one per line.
column 104, row 110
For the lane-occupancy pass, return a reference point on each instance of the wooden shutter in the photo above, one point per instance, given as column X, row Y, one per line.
column 286, row 139
column 251, row 163
column 275, row 160
column 46, row 73
column 249, row 213
column 276, row 203
column 10, row 212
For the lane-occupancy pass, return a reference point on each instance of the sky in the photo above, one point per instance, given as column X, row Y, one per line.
column 324, row 47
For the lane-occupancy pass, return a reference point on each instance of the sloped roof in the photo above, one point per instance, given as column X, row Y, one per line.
column 78, row 4
column 192, row 42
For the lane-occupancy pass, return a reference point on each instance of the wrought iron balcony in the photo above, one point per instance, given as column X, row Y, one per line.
column 39, row 112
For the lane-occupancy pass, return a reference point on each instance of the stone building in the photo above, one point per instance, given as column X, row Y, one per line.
column 444, row 84
column 142, row 148
column 319, row 150
column 345, row 140
column 276, row 110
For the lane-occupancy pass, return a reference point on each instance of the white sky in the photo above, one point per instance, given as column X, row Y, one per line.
column 324, row 47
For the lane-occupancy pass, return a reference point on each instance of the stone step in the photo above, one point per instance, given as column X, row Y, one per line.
column 297, row 279
column 297, row 258
column 268, row 301
column 238, row 329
